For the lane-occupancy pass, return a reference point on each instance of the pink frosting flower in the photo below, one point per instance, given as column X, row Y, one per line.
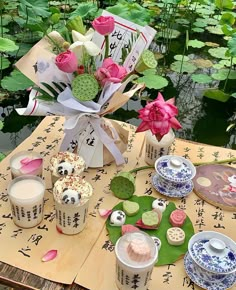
column 104, row 24
column 110, row 72
column 159, row 117
column 67, row 61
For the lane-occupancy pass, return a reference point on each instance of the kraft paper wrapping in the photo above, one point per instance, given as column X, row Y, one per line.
column 89, row 256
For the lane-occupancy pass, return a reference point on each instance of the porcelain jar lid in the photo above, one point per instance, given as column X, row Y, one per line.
column 175, row 168
column 213, row 255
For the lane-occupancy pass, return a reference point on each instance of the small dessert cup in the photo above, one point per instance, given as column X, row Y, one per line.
column 66, row 163
column 26, row 163
column 26, row 195
column 71, row 197
column 136, row 255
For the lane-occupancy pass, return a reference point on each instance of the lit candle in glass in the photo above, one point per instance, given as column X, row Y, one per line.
column 26, row 162
column 26, row 194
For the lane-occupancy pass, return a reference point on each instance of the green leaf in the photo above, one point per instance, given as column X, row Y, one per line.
column 217, row 95
column 85, row 10
column 215, row 30
column 222, row 74
column 2, row 156
column 4, row 63
column 168, row 254
column 227, row 18
column 1, row 124
column 227, row 30
column 196, row 43
column 168, row 33
column 232, row 45
column 153, row 81
column 201, row 78
column 224, row 4
column 197, row 29
column 16, row 82
column 181, row 57
column 180, row 67
column 200, row 23
column 51, row 89
column 218, row 52
column 233, row 95
column 33, row 8
column 7, row 45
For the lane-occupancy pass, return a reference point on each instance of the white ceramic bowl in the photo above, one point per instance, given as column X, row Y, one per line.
column 213, row 252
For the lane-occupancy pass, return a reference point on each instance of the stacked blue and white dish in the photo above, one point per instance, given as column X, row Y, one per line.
column 211, row 260
column 173, row 176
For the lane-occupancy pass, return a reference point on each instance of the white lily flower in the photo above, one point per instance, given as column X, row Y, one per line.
column 82, row 42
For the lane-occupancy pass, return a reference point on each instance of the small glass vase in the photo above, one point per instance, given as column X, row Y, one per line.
column 155, row 149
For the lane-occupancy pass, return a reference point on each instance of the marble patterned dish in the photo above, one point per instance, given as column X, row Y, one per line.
column 192, row 272
column 223, row 262
column 175, row 168
column 171, row 190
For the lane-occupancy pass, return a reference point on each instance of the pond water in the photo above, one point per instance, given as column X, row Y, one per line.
column 203, row 121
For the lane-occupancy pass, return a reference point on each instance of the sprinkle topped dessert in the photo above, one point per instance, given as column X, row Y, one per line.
column 72, row 189
column 66, row 163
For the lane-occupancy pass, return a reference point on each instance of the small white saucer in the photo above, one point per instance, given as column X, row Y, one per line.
column 192, row 272
column 170, row 190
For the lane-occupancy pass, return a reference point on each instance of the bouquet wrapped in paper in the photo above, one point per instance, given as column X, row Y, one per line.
column 86, row 80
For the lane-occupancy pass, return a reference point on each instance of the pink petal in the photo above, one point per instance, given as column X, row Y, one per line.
column 128, row 229
column 50, row 255
column 31, row 166
column 104, row 212
column 25, row 160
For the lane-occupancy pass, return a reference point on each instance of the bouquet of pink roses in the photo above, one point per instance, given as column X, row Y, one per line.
column 86, row 80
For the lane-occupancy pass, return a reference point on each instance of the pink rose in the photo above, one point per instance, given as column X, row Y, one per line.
column 110, row 72
column 159, row 117
column 104, row 24
column 67, row 61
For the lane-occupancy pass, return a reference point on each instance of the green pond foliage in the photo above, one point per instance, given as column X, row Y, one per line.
column 195, row 47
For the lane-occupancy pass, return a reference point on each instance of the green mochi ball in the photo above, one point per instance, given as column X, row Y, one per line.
column 131, row 208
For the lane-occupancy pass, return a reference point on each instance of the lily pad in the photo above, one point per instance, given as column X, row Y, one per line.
column 196, row 43
column 202, row 63
column 218, row 52
column 223, row 74
column 153, row 81
column 217, row 95
column 168, row 254
column 187, row 67
column 215, row 30
column 201, row 78
column 197, row 29
column 168, row 33
column 181, row 57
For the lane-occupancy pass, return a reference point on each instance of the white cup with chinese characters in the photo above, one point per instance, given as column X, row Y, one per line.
column 26, row 163
column 70, row 219
column 26, row 196
column 136, row 255
column 71, row 196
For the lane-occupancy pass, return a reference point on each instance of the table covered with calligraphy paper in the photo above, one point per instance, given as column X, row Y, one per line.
column 88, row 258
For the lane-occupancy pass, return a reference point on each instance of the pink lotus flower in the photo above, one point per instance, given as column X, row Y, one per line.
column 104, row 24
column 110, row 72
column 159, row 117
column 67, row 61
column 31, row 166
